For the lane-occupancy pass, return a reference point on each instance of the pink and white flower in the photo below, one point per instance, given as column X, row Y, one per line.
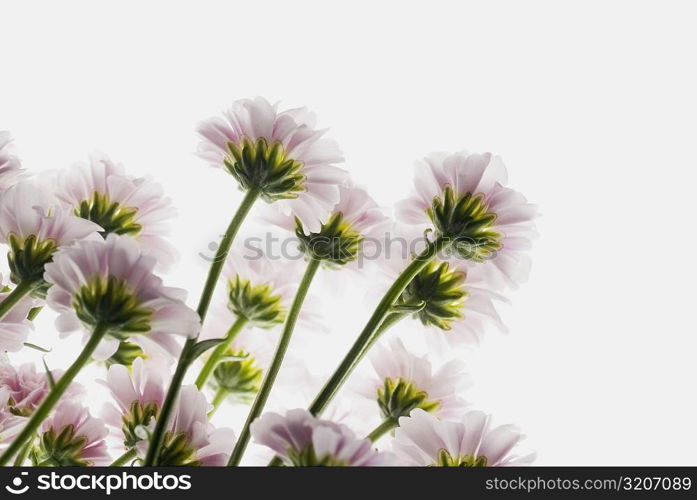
column 102, row 192
column 422, row 439
column 77, row 427
column 11, row 170
column 10, row 424
column 440, row 391
column 301, row 439
column 153, row 314
column 484, row 175
column 294, row 130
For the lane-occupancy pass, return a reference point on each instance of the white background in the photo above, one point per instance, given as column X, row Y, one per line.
column 591, row 104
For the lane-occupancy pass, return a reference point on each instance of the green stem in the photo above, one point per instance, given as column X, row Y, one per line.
column 275, row 366
column 18, row 293
column 185, row 358
column 219, row 397
column 220, row 349
column 22, row 455
column 386, row 426
column 54, row 395
column 368, row 336
column 125, row 458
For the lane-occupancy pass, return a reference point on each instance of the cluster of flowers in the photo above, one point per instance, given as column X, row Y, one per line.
column 89, row 242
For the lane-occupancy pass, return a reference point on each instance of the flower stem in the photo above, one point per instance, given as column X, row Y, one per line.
column 54, row 395
column 386, row 426
column 22, row 455
column 185, row 358
column 18, row 293
column 275, row 366
column 372, row 329
column 219, row 397
column 125, row 458
column 220, row 349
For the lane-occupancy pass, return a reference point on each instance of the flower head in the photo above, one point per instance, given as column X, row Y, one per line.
column 301, row 439
column 11, row 170
column 424, row 440
column 101, row 192
column 72, row 437
column 110, row 283
column 27, row 388
column 190, row 439
column 462, row 197
column 405, row 382
column 280, row 154
column 35, row 229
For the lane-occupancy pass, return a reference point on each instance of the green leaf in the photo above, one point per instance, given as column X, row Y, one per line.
column 36, row 347
column 201, row 347
column 49, row 375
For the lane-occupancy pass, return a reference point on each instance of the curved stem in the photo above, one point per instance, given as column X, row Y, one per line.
column 219, row 351
column 54, row 395
column 124, row 459
column 386, row 426
column 22, row 455
column 368, row 336
column 275, row 366
column 185, row 358
column 18, row 293
column 219, row 397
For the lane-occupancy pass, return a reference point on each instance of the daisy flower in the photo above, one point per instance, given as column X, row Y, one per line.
column 301, row 439
column 72, row 437
column 405, row 382
column 35, row 229
column 101, row 192
column 110, row 283
column 280, row 154
column 11, row 170
column 424, row 440
column 463, row 198
column 27, row 388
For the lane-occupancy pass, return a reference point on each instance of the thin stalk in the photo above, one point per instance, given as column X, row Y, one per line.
column 185, row 358
column 368, row 336
column 219, row 397
column 220, row 349
column 124, row 459
column 22, row 455
column 272, row 372
column 386, row 426
column 54, row 395
column 18, row 293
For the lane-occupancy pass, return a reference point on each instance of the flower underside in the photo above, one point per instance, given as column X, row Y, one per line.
column 445, row 459
column 398, row 397
column 467, row 223
column 439, row 292
column 109, row 302
column 15, row 410
column 308, row 458
column 27, row 258
column 140, row 414
column 110, row 216
column 336, row 244
column 240, row 377
column 256, row 303
column 266, row 168
column 61, row 449
column 126, row 354
column 176, row 451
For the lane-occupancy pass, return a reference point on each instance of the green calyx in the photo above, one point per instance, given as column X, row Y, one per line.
column 110, row 303
column 266, row 168
column 256, row 303
column 126, row 354
column 111, row 216
column 139, row 414
column 17, row 411
column 445, row 459
column 336, row 244
column 60, row 449
column 240, row 378
column 440, row 292
column 308, row 458
column 465, row 220
column 398, row 397
column 27, row 258
column 176, row 451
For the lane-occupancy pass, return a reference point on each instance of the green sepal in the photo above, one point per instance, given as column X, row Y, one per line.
column 445, row 459
column 110, row 216
column 336, row 244
column 398, row 397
